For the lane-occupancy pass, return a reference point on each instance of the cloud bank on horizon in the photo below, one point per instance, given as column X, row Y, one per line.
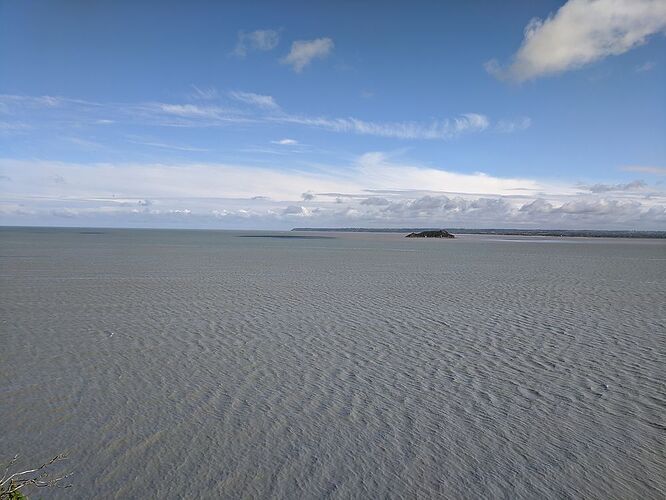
column 310, row 125
column 375, row 192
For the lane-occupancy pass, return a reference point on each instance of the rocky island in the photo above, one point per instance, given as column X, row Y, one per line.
column 431, row 234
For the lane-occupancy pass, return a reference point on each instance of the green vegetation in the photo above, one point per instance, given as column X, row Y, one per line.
column 12, row 494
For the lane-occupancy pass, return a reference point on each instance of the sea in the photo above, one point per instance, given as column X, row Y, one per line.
column 246, row 364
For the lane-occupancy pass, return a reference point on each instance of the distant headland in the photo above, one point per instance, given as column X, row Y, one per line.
column 581, row 233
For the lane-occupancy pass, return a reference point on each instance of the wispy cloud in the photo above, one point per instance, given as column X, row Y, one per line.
column 606, row 188
column 303, row 52
column 260, row 109
column 204, row 93
column 509, row 126
column 9, row 127
column 178, row 115
column 82, row 143
column 189, row 110
column 445, row 129
column 41, row 102
column 645, row 169
column 581, row 32
column 173, row 147
column 45, row 101
column 259, row 40
column 258, row 100
column 646, row 66
column 286, row 142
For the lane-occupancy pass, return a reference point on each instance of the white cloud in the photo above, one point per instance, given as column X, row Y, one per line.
column 303, row 52
column 581, row 32
column 259, row 40
column 379, row 173
column 286, row 142
column 258, row 100
column 295, row 210
column 156, row 181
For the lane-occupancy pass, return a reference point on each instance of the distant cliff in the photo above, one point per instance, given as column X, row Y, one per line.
column 431, row 234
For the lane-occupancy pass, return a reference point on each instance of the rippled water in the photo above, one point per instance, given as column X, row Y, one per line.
column 200, row 364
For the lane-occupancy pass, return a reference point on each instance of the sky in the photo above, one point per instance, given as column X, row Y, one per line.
column 271, row 115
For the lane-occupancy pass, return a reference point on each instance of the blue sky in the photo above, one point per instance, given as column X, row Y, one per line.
column 271, row 115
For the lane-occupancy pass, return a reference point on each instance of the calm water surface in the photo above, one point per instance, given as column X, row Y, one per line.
column 200, row 364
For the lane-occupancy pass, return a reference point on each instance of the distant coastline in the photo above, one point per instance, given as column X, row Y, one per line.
column 572, row 233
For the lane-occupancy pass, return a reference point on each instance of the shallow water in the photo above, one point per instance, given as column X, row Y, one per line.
column 200, row 364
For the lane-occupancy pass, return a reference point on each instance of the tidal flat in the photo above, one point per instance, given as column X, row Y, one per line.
column 202, row 364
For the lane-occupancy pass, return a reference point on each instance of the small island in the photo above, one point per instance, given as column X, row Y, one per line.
column 431, row 234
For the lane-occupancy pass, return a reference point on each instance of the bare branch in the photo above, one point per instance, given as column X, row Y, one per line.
column 16, row 481
column 11, row 462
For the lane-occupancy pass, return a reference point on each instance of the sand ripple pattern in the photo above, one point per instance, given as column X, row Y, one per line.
column 174, row 364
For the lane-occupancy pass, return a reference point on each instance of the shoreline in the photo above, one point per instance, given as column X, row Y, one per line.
column 569, row 233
